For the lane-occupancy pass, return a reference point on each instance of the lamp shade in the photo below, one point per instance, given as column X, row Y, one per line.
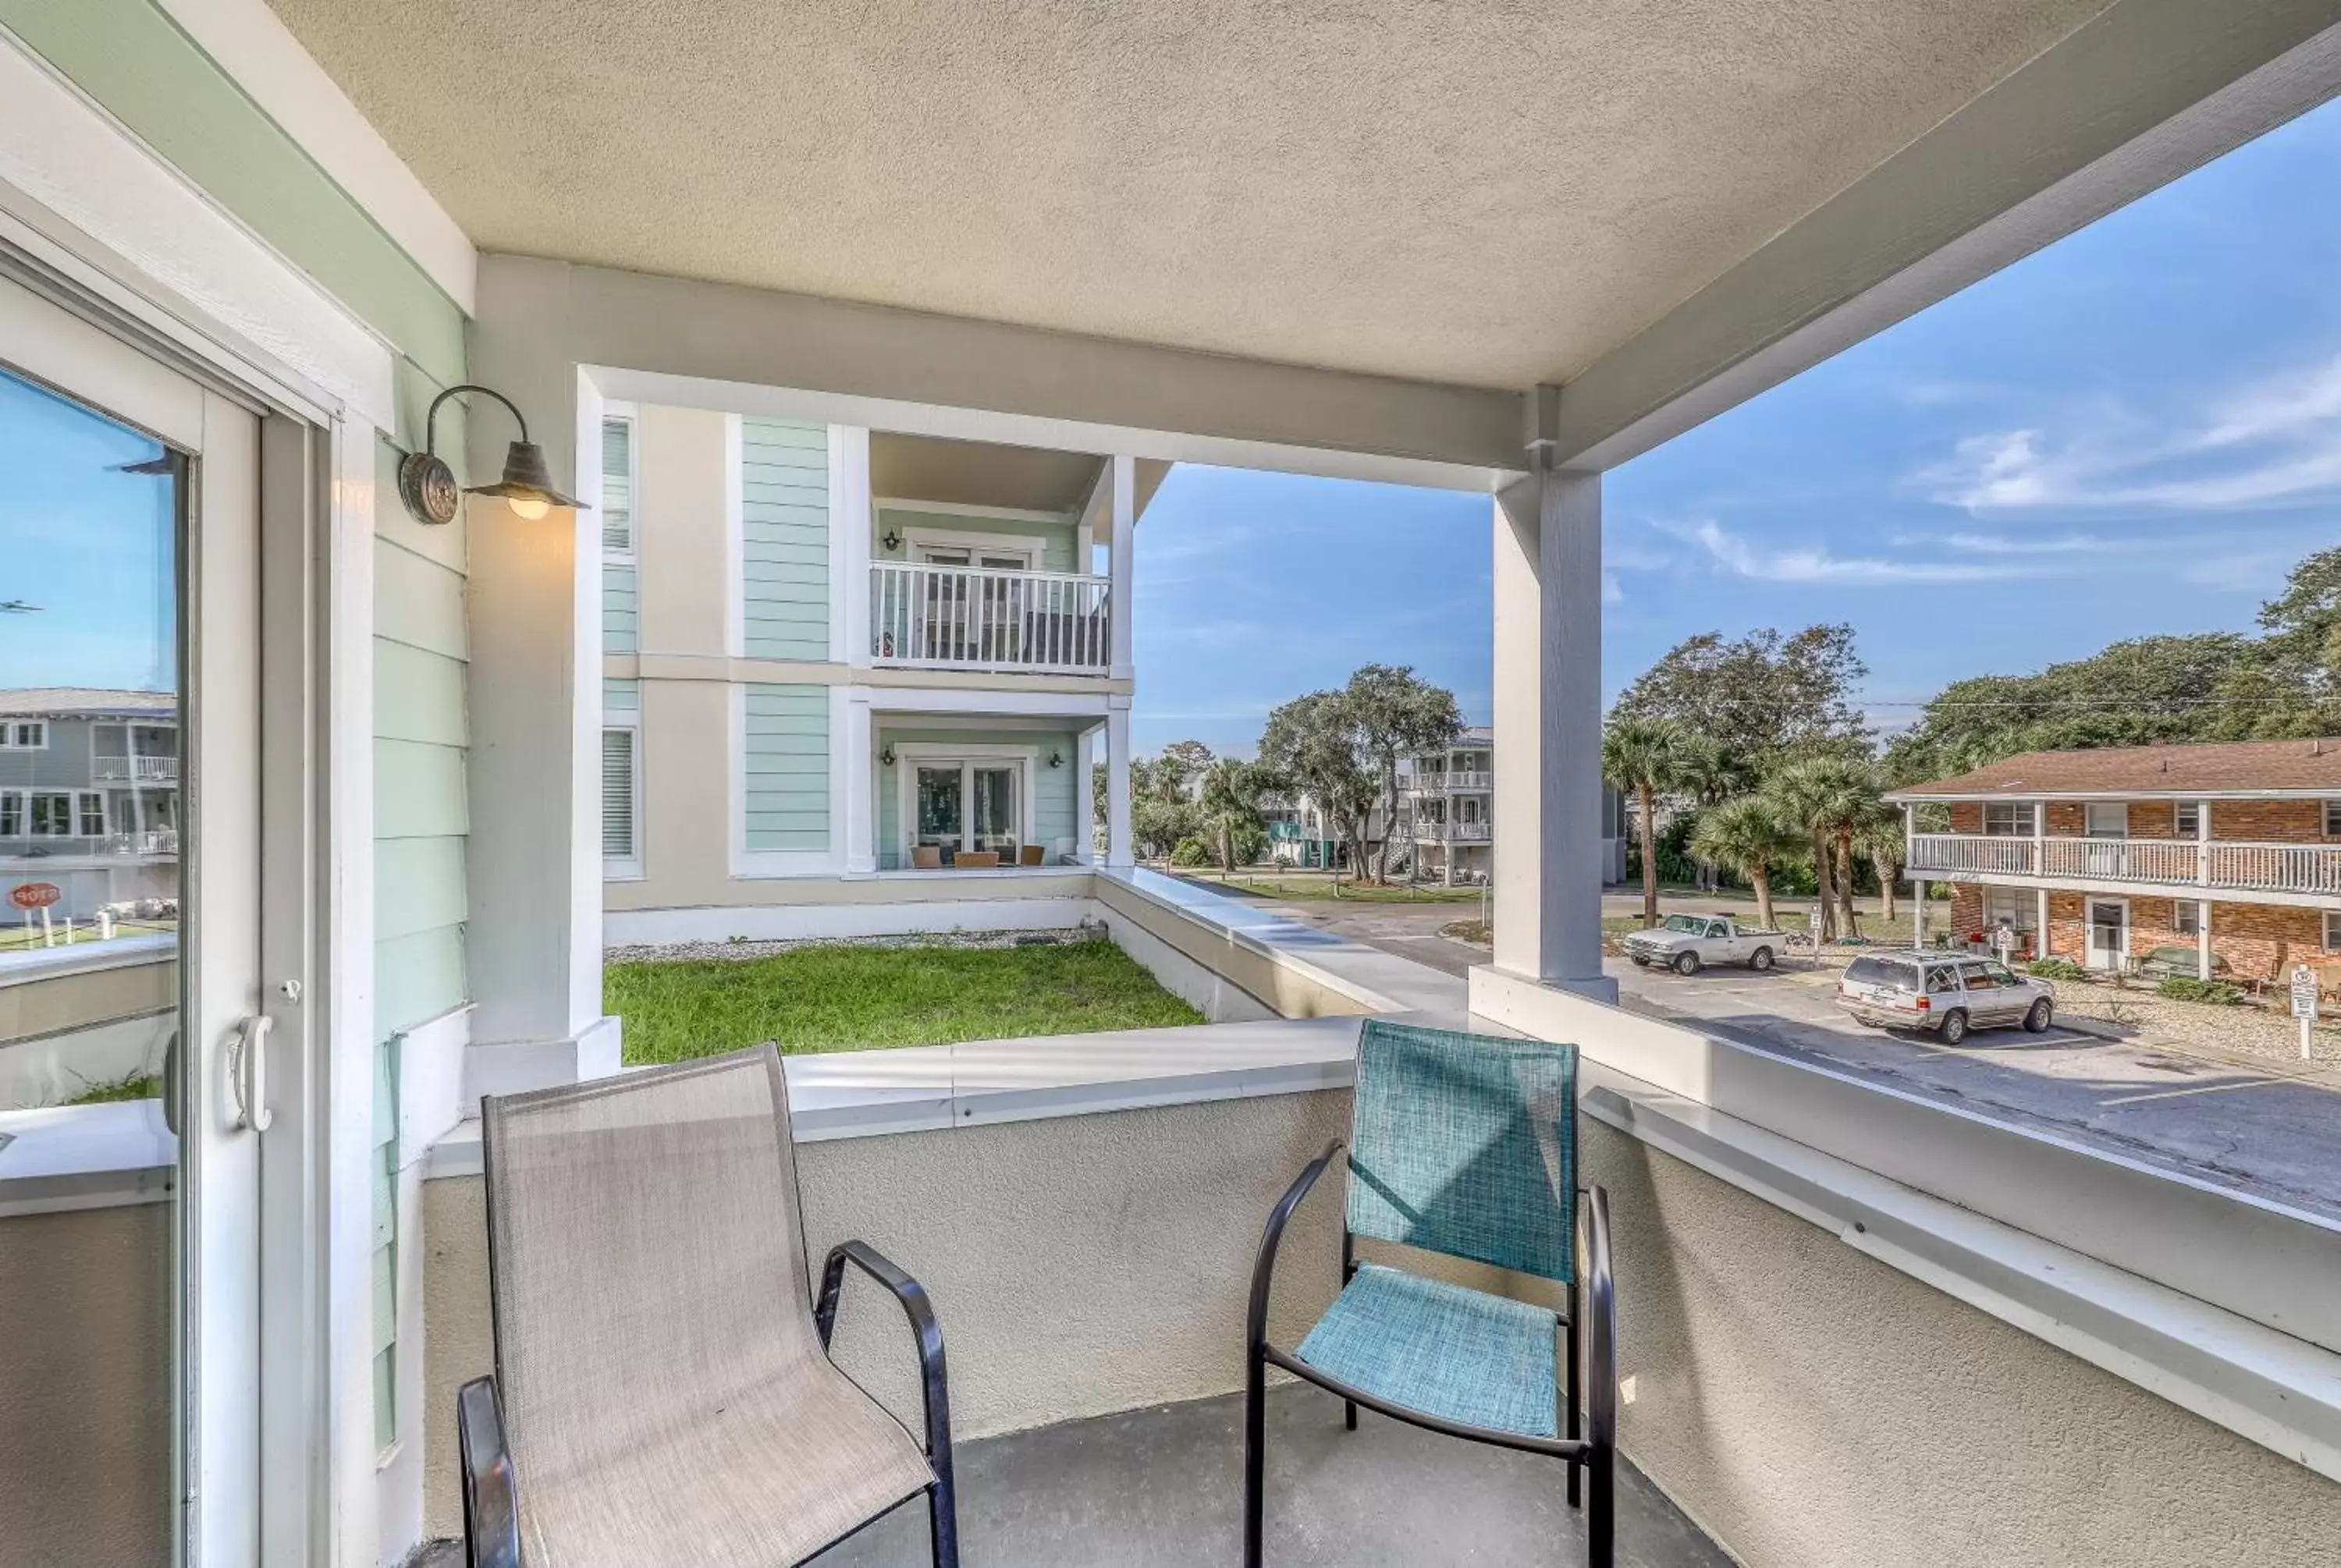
column 527, row 478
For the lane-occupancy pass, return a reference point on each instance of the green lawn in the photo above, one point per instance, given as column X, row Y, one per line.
column 844, row 997
column 1303, row 887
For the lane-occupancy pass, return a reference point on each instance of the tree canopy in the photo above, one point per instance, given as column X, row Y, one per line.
column 1762, row 699
column 1311, row 745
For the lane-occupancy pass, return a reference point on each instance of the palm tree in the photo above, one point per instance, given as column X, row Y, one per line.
column 1835, row 801
column 1648, row 758
column 1747, row 834
column 1229, row 804
column 1888, row 850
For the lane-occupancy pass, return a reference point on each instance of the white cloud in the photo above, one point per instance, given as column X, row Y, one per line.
column 1816, row 563
column 2013, row 544
column 1611, row 592
column 2260, row 572
column 2278, row 439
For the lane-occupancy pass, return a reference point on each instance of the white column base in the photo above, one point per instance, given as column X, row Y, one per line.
column 1525, row 1003
column 511, row 1067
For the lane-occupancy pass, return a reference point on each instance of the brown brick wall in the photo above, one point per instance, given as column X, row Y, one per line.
column 1966, row 817
column 2258, row 942
column 2067, row 937
column 1967, row 908
column 2270, row 822
column 2153, row 820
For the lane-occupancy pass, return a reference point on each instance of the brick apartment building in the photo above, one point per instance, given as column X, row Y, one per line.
column 2233, row 850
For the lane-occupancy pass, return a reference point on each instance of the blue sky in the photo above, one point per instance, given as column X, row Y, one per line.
column 2136, row 431
column 88, row 544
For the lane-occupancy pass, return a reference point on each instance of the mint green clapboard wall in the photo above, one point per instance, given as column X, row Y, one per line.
column 786, row 790
column 1053, row 800
column 784, row 539
column 1057, row 539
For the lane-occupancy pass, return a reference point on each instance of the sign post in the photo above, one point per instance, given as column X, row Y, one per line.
column 2303, row 1004
column 32, row 896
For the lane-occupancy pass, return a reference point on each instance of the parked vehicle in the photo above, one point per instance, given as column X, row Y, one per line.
column 1688, row 943
column 1944, row 995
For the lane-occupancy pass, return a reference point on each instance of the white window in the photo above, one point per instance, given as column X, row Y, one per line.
column 618, row 486
column 2108, row 819
column 2333, row 930
column 24, row 735
column 12, row 813
column 2008, row 819
column 89, row 807
column 621, row 803
column 2333, row 818
column 53, row 811
column 2015, row 906
column 2190, row 819
column 952, row 805
column 2190, row 922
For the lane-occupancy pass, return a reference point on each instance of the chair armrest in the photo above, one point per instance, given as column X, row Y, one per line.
column 491, row 1494
column 1263, row 1268
column 923, row 1328
column 1600, row 1308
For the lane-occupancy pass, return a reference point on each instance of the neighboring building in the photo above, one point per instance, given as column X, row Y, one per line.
column 1301, row 834
column 853, row 678
column 89, row 797
column 1446, row 803
column 2101, row 856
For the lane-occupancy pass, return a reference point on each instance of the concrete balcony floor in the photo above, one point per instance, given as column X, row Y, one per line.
column 1163, row 1488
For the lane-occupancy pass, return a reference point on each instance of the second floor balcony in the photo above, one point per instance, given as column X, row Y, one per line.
column 1430, row 832
column 140, row 770
column 931, row 617
column 2230, row 866
column 1459, row 783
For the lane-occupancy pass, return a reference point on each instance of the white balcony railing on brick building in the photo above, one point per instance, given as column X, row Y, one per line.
column 976, row 618
column 2168, row 862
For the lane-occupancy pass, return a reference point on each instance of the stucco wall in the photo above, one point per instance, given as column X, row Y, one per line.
column 85, row 1383
column 1810, row 1406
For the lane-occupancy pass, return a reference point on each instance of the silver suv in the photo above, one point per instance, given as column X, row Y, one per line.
column 1948, row 995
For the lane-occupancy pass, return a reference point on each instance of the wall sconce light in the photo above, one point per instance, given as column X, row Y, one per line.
column 892, row 540
column 1056, row 759
column 428, row 486
column 887, row 757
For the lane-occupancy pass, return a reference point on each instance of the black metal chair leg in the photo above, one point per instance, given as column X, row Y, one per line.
column 1575, row 1484
column 942, row 1518
column 1255, row 1451
column 1348, row 1273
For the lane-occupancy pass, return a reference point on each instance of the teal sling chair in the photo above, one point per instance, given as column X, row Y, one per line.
column 1463, row 1144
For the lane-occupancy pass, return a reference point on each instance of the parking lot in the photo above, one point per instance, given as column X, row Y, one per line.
column 2267, row 1127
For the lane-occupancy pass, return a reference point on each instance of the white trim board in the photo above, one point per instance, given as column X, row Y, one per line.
column 796, row 922
column 884, row 503
column 245, row 39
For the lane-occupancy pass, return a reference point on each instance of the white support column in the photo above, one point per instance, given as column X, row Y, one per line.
column 1085, row 758
column 534, row 853
column 2042, row 916
column 1125, row 539
column 861, row 771
column 2203, row 937
column 849, row 539
column 2203, row 878
column 1547, row 714
column 1118, row 852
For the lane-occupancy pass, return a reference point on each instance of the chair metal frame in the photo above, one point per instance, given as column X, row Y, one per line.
column 1590, row 1448
column 492, row 1488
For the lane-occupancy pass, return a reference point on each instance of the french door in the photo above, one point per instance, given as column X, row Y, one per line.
column 132, row 1085
column 2108, row 933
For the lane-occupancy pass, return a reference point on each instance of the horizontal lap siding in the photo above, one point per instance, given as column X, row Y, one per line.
column 620, row 614
column 422, row 816
column 621, row 695
column 784, row 540
column 786, row 765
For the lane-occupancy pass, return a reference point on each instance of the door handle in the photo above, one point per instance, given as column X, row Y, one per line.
column 248, row 1071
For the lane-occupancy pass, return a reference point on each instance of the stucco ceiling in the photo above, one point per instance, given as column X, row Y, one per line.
column 985, row 474
column 1485, row 192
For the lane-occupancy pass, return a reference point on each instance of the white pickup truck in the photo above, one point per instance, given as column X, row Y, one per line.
column 1688, row 943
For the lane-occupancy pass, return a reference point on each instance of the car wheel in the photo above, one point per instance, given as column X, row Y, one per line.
column 1686, row 963
column 1760, row 959
column 2038, row 1018
column 1955, row 1027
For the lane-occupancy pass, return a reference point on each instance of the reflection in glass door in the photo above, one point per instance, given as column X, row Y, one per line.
column 89, row 992
column 129, row 1277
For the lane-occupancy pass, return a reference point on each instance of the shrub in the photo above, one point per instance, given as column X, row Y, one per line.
column 1191, row 851
column 2188, row 988
column 2056, row 969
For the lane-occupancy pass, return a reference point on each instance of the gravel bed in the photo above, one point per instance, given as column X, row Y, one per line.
column 738, row 947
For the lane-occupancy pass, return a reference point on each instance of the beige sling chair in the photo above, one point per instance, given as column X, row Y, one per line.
column 664, row 1392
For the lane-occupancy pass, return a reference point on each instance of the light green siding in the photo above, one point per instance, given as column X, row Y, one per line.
column 621, row 695
column 617, row 615
column 416, row 975
column 784, row 539
column 1056, row 538
column 1055, row 803
column 787, row 763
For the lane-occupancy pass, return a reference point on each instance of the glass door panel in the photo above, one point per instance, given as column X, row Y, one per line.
column 995, row 810
column 941, row 808
column 129, row 1255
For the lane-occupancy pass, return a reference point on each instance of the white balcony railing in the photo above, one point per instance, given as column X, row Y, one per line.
column 1450, row 783
column 975, row 618
column 144, row 770
column 1452, row 832
column 2182, row 862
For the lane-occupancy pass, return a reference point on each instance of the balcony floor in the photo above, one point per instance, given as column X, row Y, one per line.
column 1163, row 1488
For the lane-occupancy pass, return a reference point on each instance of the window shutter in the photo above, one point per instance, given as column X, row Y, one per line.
column 618, row 794
column 618, row 485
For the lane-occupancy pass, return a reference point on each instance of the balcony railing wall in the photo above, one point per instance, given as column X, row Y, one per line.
column 973, row 618
column 1452, row 832
column 2220, row 864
